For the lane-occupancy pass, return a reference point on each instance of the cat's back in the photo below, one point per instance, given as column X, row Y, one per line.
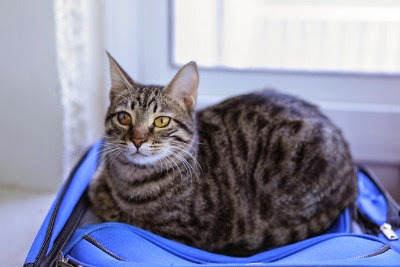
column 280, row 162
column 263, row 104
column 254, row 120
column 266, row 133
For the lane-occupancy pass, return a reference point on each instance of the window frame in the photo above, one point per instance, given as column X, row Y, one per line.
column 284, row 70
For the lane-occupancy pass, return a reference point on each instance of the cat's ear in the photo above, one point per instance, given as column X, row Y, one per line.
column 120, row 80
column 183, row 86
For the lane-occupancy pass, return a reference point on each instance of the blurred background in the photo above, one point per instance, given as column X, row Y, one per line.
column 343, row 55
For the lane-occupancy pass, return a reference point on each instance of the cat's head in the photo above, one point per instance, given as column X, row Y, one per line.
column 147, row 125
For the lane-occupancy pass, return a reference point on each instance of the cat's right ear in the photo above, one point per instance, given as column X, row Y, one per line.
column 120, row 80
column 183, row 86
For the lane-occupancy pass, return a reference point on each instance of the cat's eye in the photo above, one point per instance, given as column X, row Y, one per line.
column 124, row 118
column 162, row 121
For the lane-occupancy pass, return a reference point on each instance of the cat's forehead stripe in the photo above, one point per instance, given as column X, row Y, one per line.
column 139, row 100
column 146, row 95
column 147, row 106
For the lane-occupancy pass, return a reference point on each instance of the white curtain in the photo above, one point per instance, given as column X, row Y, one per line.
column 81, row 61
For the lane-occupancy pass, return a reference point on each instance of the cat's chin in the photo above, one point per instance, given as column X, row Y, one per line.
column 140, row 159
column 143, row 160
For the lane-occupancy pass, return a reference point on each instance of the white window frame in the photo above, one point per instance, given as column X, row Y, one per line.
column 357, row 36
column 366, row 107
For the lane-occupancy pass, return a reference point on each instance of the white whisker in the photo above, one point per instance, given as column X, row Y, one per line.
column 165, row 157
column 177, row 166
column 187, row 165
column 190, row 155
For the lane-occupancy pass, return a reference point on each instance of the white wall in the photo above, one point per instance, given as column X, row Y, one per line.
column 30, row 110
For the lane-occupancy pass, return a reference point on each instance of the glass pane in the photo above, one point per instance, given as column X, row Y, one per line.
column 313, row 35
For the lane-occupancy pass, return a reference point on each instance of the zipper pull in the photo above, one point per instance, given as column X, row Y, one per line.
column 65, row 262
column 386, row 229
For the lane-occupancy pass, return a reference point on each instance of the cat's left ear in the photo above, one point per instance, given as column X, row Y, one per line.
column 120, row 80
column 183, row 86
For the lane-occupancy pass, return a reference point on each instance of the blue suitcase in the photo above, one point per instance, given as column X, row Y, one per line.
column 363, row 235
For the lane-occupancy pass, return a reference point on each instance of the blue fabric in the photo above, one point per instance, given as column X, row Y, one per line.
column 79, row 183
column 137, row 246
column 40, row 237
column 370, row 200
column 388, row 259
column 136, row 241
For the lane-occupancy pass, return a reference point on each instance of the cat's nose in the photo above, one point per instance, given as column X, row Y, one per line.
column 138, row 141
column 138, row 136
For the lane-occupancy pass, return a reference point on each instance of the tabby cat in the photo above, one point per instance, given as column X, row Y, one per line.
column 256, row 171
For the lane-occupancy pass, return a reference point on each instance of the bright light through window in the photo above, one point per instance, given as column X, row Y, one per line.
column 308, row 35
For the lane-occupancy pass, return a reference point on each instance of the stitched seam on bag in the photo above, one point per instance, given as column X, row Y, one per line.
column 376, row 253
column 94, row 242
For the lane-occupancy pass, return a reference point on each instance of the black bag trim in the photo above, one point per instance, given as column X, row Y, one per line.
column 67, row 231
column 42, row 253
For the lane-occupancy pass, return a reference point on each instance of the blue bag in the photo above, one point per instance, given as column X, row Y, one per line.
column 65, row 240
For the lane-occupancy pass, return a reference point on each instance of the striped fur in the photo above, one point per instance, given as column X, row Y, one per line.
column 254, row 172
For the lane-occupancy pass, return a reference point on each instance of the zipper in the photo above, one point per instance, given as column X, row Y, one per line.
column 66, row 232
column 374, row 254
column 386, row 229
column 43, row 251
column 368, row 226
column 97, row 244
column 66, row 262
column 392, row 215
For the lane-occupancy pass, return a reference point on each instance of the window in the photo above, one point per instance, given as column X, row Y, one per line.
column 306, row 35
